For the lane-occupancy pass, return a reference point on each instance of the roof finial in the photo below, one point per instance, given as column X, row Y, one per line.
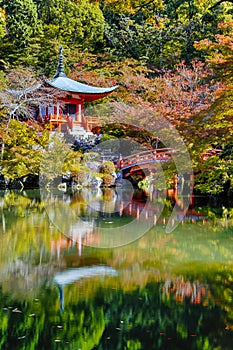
column 60, row 67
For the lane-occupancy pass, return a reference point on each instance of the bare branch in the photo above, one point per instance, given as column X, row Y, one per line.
column 24, row 93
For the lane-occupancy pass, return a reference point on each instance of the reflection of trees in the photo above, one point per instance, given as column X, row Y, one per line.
column 145, row 319
column 132, row 312
column 25, row 253
column 38, row 324
column 112, row 319
column 222, row 291
column 182, row 289
column 27, row 234
column 99, row 314
column 19, row 329
column 83, row 326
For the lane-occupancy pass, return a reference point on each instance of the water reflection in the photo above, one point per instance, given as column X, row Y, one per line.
column 183, row 289
column 70, row 276
column 162, row 291
column 80, row 215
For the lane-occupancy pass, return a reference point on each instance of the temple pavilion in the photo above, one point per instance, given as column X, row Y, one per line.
column 67, row 115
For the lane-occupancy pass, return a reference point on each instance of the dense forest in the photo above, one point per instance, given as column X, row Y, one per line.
column 172, row 59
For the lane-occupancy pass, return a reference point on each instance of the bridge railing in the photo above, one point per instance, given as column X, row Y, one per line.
column 149, row 156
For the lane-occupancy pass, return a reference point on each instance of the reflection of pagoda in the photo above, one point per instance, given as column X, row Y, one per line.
column 79, row 230
column 73, row 275
column 68, row 113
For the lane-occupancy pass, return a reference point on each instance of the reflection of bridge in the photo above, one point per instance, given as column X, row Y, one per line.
column 145, row 159
column 74, row 243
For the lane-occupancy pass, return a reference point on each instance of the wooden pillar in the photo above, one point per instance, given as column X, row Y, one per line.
column 79, row 112
column 191, row 190
column 58, row 109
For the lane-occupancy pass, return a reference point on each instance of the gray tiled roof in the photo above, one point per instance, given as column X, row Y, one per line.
column 67, row 84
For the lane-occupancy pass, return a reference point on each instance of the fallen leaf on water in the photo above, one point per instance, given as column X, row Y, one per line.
column 16, row 310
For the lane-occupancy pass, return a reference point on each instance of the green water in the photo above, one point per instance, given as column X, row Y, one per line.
column 61, row 288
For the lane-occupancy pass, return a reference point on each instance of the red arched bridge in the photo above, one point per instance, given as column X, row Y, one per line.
column 144, row 160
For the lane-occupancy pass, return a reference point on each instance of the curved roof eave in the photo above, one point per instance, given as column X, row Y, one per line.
column 69, row 85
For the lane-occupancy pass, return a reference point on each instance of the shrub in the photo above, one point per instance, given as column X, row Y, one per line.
column 108, row 180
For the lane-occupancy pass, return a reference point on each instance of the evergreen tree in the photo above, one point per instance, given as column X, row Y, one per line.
column 162, row 33
column 21, row 21
column 2, row 22
column 77, row 24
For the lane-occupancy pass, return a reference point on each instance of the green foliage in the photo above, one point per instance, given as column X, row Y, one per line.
column 108, row 180
column 19, row 44
column 79, row 173
column 106, row 170
column 2, row 22
column 158, row 33
column 69, row 22
column 23, row 149
column 132, row 6
column 35, row 29
column 138, row 41
column 161, row 32
column 216, row 176
column 53, row 163
column 107, row 167
column 21, row 21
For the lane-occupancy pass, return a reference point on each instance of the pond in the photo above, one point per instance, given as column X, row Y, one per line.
column 99, row 270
